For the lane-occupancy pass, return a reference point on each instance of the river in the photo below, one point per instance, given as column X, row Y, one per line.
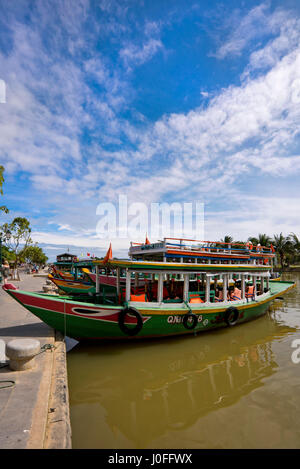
column 232, row 388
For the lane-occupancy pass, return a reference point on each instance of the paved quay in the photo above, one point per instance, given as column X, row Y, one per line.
column 34, row 409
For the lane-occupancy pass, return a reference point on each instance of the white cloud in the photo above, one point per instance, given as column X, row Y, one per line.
column 256, row 24
column 134, row 55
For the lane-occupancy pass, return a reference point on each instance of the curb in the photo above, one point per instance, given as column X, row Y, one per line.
column 58, row 427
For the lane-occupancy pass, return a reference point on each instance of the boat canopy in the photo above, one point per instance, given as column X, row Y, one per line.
column 181, row 267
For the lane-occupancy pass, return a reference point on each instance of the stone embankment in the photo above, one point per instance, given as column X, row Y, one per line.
column 34, row 402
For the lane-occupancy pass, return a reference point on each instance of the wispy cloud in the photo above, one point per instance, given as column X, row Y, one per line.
column 258, row 23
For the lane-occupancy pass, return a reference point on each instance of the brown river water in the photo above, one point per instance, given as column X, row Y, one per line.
column 234, row 388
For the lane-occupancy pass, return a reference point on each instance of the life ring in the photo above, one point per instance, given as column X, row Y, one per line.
column 121, row 321
column 231, row 316
column 190, row 324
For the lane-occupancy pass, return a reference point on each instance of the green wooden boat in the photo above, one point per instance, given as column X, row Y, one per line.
column 152, row 309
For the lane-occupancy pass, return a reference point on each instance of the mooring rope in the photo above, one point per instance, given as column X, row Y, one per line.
column 11, row 385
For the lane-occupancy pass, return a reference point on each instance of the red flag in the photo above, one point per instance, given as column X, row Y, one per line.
column 147, row 240
column 88, row 253
column 108, row 256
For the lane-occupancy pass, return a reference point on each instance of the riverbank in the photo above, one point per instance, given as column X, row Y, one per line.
column 34, row 411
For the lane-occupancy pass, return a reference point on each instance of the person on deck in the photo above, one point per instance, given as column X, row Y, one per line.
column 236, row 294
column 250, row 291
column 219, row 295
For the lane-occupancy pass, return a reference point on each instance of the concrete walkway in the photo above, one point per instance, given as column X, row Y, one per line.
column 34, row 412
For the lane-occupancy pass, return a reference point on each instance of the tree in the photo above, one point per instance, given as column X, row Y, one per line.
column 294, row 246
column 34, row 255
column 17, row 234
column 227, row 240
column 282, row 245
column 262, row 239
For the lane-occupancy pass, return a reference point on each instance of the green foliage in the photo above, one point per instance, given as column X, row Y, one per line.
column 283, row 247
column 7, row 254
column 34, row 255
column 15, row 234
column 262, row 239
column 227, row 239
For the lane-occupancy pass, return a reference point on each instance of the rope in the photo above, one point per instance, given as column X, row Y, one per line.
column 46, row 347
column 11, row 385
column 188, row 307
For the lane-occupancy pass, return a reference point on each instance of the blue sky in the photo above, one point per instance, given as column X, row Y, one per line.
column 162, row 101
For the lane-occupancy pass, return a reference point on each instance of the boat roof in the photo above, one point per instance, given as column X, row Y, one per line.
column 151, row 266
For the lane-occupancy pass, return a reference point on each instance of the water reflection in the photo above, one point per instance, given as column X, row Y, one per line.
column 132, row 395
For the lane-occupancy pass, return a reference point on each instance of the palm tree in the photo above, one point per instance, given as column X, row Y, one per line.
column 282, row 245
column 294, row 246
column 227, row 240
column 262, row 239
column 253, row 240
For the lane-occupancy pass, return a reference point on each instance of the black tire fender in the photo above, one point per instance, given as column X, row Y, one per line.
column 131, row 331
column 231, row 316
column 187, row 324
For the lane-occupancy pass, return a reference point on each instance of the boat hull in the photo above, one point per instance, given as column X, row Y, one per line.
column 92, row 321
column 73, row 287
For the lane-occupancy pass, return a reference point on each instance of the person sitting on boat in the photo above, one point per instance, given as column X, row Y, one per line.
column 219, row 295
column 173, row 297
column 249, row 291
column 236, row 294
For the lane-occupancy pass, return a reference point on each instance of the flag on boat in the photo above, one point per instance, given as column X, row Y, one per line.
column 108, row 256
column 147, row 240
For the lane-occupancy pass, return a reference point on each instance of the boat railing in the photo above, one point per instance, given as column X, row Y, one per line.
column 209, row 249
column 215, row 246
column 184, row 244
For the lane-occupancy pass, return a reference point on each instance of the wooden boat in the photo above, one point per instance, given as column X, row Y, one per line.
column 181, row 305
column 86, row 284
column 73, row 287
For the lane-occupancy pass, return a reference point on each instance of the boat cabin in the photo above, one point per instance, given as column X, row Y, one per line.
column 65, row 261
column 163, row 283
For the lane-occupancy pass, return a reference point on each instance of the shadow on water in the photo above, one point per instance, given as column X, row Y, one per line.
column 131, row 394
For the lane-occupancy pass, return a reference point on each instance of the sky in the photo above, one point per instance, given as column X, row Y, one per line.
column 159, row 102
